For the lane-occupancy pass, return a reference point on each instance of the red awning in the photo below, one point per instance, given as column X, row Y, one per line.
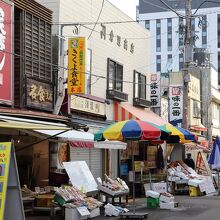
column 81, row 144
column 199, row 127
column 125, row 111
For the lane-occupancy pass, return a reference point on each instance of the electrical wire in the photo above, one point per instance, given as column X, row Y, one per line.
column 206, row 1
column 157, row 6
column 179, row 15
column 100, row 12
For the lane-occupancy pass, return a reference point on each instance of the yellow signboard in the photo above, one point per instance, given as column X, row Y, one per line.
column 5, row 152
column 76, row 65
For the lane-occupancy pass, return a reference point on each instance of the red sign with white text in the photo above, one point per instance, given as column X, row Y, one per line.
column 5, row 52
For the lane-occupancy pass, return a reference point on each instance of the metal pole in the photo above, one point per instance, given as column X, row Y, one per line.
column 187, row 60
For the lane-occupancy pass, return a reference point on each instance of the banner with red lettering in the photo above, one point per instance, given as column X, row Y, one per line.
column 6, row 24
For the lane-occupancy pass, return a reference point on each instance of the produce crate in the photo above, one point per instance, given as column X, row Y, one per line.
column 44, row 200
column 194, row 191
column 59, row 199
column 152, row 203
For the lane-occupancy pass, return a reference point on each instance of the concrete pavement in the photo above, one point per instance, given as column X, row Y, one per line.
column 193, row 208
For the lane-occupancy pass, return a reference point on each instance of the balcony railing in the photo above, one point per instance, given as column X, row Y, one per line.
column 116, row 95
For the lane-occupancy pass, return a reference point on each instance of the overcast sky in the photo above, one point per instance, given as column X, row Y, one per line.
column 127, row 6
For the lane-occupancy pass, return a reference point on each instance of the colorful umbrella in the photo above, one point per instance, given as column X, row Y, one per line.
column 129, row 130
column 184, row 135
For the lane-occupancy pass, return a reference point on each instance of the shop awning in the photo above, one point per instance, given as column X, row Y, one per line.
column 125, row 111
column 111, row 145
column 75, row 138
column 199, row 127
column 29, row 124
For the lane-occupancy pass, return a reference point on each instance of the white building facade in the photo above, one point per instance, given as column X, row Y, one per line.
column 117, row 65
column 167, row 32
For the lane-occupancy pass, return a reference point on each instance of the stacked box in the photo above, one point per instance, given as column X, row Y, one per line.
column 167, row 201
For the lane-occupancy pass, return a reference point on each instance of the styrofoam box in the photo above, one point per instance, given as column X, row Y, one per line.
column 73, row 214
column 152, row 194
column 159, row 187
column 166, row 199
column 194, row 182
column 167, row 205
column 94, row 213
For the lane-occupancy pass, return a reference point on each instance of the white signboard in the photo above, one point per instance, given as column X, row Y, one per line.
column 155, row 89
column 176, row 105
column 80, row 175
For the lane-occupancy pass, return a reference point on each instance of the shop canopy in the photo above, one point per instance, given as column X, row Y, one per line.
column 82, row 139
column 125, row 111
column 29, row 124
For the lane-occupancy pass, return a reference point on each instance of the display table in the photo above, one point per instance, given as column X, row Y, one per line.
column 108, row 193
column 28, row 203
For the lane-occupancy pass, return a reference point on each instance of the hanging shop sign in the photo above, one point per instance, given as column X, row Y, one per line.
column 39, row 95
column 76, row 66
column 155, row 89
column 117, row 38
column 87, row 105
column 6, row 60
column 5, row 149
column 176, row 105
column 194, row 88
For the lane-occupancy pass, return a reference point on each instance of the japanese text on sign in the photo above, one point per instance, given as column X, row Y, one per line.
column 118, row 39
column 155, row 89
column 41, row 93
column 76, row 66
column 176, row 106
column 5, row 45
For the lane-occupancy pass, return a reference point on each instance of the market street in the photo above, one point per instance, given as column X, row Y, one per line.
column 194, row 208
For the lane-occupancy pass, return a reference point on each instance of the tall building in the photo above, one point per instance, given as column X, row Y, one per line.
column 167, row 31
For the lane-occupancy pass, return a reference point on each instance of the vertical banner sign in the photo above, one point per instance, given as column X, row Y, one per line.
column 5, row 150
column 5, row 52
column 76, row 65
column 155, row 89
column 176, row 105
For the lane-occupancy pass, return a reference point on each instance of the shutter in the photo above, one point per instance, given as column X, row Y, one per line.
column 92, row 156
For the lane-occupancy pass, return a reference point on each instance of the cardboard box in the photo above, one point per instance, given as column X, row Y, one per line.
column 44, row 200
column 159, row 187
column 74, row 214
column 94, row 213
column 166, row 199
column 152, row 194
column 167, row 205
column 194, row 182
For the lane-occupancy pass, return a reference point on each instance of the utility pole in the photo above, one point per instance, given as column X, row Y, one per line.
column 187, row 60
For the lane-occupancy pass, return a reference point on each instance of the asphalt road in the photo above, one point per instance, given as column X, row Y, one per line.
column 193, row 208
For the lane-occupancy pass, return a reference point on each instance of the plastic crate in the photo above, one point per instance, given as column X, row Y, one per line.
column 194, row 191
column 59, row 199
column 152, row 203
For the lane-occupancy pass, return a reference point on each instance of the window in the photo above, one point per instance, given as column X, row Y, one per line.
column 89, row 69
column 139, row 85
column 169, row 34
column 147, row 24
column 169, row 59
column 158, row 36
column 218, row 31
column 215, row 111
column 196, row 109
column 158, row 61
column 180, row 62
column 115, row 76
column 218, row 68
